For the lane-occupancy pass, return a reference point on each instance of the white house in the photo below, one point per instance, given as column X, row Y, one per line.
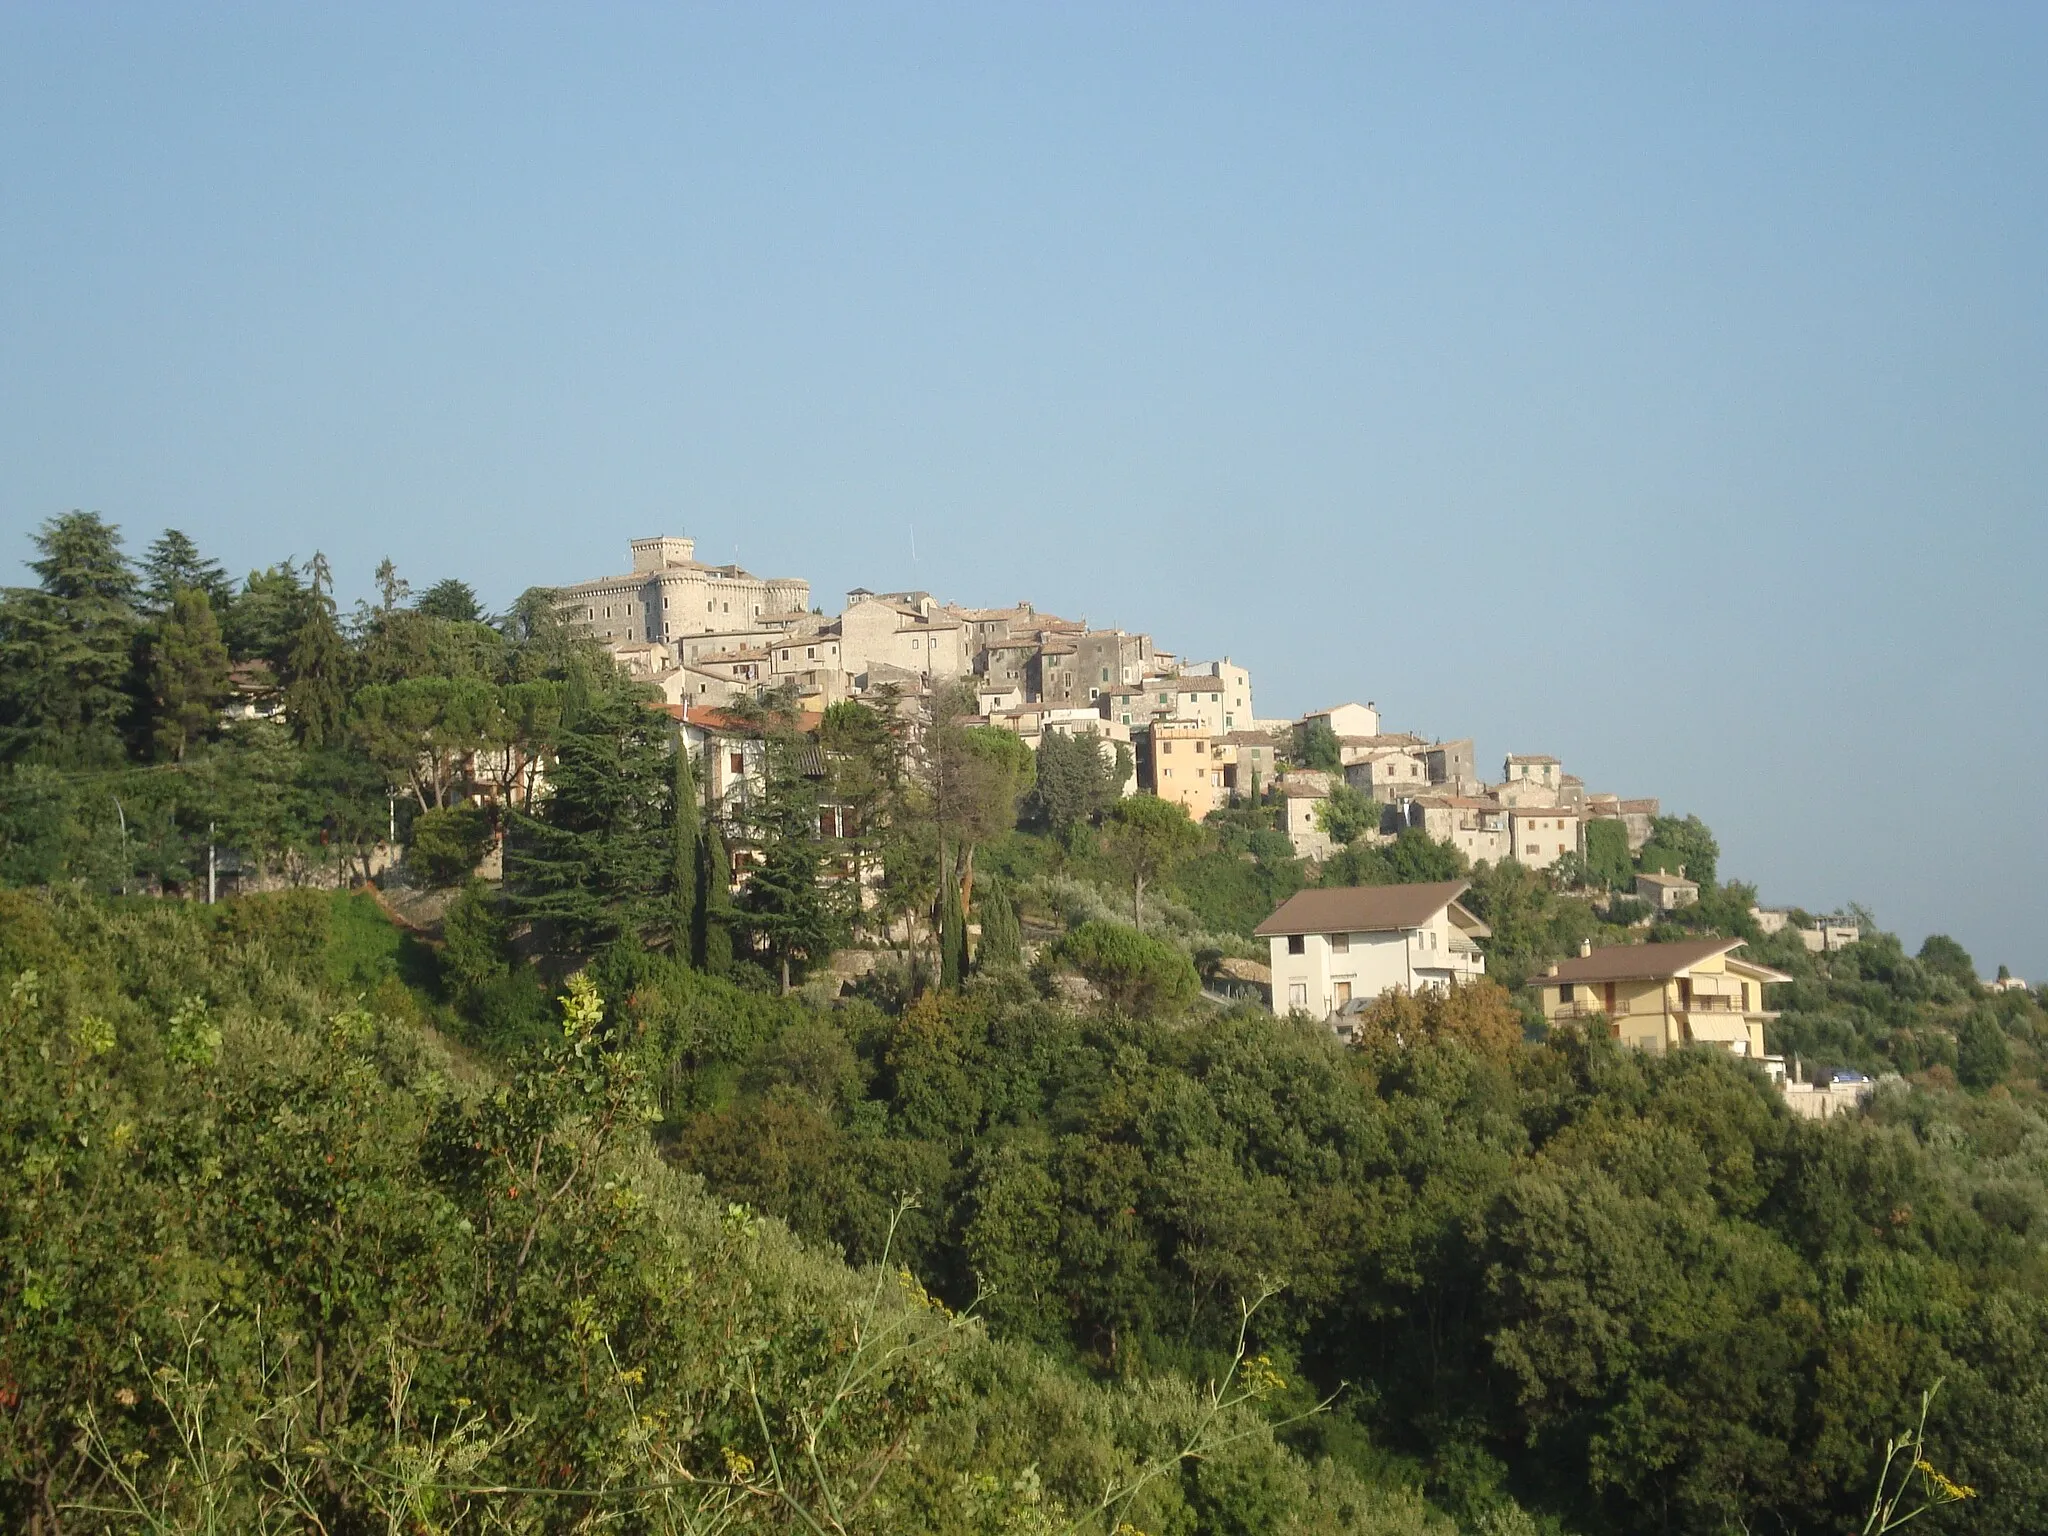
column 1346, row 719
column 1331, row 947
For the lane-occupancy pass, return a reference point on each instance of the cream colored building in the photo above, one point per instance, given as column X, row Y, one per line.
column 1476, row 827
column 1666, row 893
column 1231, row 708
column 1302, row 792
column 1334, row 947
column 1530, row 780
column 1540, row 835
column 1385, row 771
column 669, row 593
column 1658, row 997
column 1346, row 719
column 916, row 637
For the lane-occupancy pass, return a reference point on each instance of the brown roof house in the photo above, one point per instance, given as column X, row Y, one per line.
column 1335, row 947
column 1658, row 997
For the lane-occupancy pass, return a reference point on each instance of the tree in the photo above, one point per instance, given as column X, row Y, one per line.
column 422, row 731
column 174, row 563
column 685, row 856
column 1685, row 844
column 1983, row 1054
column 1608, row 861
column 453, row 600
column 952, row 930
column 1348, row 814
column 1074, row 781
column 1945, row 957
column 1315, row 746
column 67, row 648
column 1002, row 938
column 1479, row 1015
column 782, row 903
column 315, row 673
column 593, row 859
column 265, row 615
column 1136, row 972
column 449, row 842
column 1146, row 837
column 188, row 673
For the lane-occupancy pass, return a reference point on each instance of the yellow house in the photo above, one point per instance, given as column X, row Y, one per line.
column 1182, row 769
column 1658, row 997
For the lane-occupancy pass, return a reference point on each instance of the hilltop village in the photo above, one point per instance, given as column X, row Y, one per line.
column 1187, row 731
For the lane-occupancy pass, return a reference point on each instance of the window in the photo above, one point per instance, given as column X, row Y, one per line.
column 1564, row 993
column 1105, row 674
column 1166, row 746
column 1297, row 944
column 810, row 653
column 1340, row 943
column 1297, row 995
column 738, row 762
column 1343, row 993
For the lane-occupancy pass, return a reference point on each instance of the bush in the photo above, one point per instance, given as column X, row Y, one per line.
column 448, row 844
column 1135, row 972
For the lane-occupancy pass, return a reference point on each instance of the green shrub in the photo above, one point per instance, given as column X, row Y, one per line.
column 1135, row 972
column 448, row 844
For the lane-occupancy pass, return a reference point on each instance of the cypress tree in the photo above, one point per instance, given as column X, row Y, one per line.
column 316, row 669
column 685, row 860
column 952, row 926
column 711, row 933
column 1002, row 938
column 188, row 673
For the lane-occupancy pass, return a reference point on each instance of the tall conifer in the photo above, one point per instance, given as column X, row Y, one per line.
column 685, row 859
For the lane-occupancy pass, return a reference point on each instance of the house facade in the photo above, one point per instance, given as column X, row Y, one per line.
column 1658, row 997
column 1540, row 835
column 1181, row 766
column 1335, row 947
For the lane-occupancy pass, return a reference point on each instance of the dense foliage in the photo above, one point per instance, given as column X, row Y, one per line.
column 578, row 1198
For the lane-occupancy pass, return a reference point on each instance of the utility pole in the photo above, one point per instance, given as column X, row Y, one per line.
column 212, row 868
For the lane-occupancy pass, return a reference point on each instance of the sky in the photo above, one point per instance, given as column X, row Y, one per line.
column 1661, row 387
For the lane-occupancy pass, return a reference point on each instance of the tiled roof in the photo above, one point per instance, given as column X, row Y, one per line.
column 1361, row 908
column 1648, row 962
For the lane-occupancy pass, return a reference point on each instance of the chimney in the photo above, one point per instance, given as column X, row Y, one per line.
column 1551, row 972
column 1585, row 948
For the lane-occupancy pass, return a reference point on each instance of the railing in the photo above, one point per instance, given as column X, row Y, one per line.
column 1708, row 1002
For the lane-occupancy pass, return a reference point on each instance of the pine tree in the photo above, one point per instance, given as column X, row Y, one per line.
column 188, row 673
column 1002, row 938
column 594, row 861
column 174, row 563
column 453, row 600
column 782, row 903
column 685, row 859
column 67, row 647
column 316, row 674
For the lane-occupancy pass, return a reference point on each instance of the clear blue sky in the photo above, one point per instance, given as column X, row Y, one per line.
column 1662, row 387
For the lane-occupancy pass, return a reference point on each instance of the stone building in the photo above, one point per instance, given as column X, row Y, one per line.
column 669, row 594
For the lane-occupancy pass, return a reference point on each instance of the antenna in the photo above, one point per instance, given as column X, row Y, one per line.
column 913, row 542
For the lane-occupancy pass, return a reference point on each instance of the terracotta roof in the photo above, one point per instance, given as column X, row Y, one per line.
column 1648, row 962
column 1361, row 908
column 1658, row 877
column 1529, row 757
column 1546, row 810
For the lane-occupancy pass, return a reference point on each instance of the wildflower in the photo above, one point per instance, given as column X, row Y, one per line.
column 1951, row 1492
